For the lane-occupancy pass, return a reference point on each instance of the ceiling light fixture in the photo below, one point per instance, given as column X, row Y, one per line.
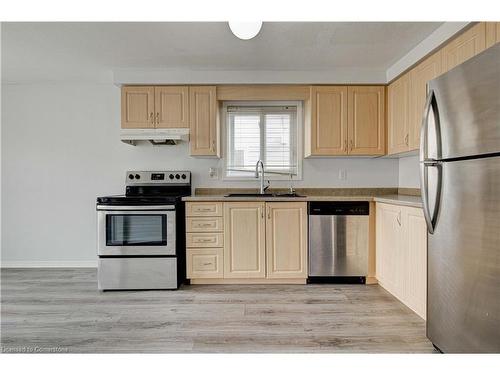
column 245, row 30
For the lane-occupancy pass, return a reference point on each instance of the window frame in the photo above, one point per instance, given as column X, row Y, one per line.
column 298, row 138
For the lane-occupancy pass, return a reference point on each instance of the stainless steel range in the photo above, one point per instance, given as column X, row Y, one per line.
column 140, row 241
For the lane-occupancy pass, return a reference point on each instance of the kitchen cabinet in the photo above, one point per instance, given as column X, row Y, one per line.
column 465, row 46
column 366, row 120
column 401, row 254
column 286, row 239
column 326, row 134
column 425, row 71
column 171, row 106
column 204, row 240
column 345, row 120
column 398, row 103
column 154, row 107
column 492, row 33
column 244, row 240
column 203, row 120
column 137, row 107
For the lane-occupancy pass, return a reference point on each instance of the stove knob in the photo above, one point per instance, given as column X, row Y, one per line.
column 137, row 177
column 183, row 176
column 131, row 176
column 171, row 176
column 177, row 176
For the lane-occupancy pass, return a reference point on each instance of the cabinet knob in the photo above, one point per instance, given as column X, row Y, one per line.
column 151, row 117
column 157, row 118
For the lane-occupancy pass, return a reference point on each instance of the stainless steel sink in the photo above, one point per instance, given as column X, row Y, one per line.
column 249, row 195
column 284, row 195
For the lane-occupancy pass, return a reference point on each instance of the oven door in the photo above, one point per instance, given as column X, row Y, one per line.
column 136, row 230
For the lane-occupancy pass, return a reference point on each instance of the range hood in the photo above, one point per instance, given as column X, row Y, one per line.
column 155, row 136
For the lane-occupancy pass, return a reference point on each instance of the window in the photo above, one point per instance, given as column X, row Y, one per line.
column 267, row 132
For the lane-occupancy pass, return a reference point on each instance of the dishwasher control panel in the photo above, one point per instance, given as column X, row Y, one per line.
column 339, row 208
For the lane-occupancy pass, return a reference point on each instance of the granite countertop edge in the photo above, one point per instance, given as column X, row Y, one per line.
column 397, row 199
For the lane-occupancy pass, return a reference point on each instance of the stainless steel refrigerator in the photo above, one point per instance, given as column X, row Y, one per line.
column 460, row 180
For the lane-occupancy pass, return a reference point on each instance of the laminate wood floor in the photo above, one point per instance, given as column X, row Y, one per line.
column 61, row 310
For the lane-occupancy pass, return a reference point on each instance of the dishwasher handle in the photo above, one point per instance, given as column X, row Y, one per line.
column 339, row 208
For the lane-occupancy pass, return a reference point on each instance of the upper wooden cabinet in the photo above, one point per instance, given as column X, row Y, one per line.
column 286, row 240
column 204, row 127
column 366, row 120
column 398, row 103
column 465, row 46
column 346, row 121
column 154, row 107
column 328, row 122
column 171, row 106
column 492, row 33
column 427, row 70
column 138, row 107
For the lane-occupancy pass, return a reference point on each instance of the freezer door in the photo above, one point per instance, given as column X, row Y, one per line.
column 468, row 107
column 463, row 296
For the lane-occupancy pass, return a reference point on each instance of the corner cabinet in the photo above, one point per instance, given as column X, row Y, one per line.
column 401, row 254
column 203, row 119
column 398, row 116
column 345, row 120
column 263, row 242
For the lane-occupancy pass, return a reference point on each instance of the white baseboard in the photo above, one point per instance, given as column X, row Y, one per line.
column 49, row 264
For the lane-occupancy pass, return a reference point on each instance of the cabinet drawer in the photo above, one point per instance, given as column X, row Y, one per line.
column 204, row 239
column 204, row 224
column 205, row 263
column 204, row 209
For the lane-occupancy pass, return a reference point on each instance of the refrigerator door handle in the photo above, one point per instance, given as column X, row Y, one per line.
column 430, row 217
column 430, row 104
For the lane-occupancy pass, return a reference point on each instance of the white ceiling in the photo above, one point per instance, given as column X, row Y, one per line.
column 34, row 52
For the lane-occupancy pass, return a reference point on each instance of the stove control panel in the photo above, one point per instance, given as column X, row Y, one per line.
column 158, row 177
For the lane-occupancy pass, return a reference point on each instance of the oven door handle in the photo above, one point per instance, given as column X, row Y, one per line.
column 101, row 207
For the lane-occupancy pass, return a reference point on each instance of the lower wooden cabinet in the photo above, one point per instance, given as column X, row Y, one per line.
column 244, row 240
column 401, row 254
column 263, row 242
column 286, row 240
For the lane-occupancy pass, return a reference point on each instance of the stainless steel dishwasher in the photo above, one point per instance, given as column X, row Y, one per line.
column 338, row 241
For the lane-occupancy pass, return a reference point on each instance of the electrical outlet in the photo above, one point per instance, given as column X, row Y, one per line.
column 213, row 173
column 342, row 174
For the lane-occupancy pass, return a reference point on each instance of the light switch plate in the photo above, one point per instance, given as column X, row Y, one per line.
column 213, row 173
column 342, row 174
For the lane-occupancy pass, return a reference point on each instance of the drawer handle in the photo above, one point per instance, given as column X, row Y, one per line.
column 205, row 225
column 205, row 240
column 204, row 209
column 207, row 264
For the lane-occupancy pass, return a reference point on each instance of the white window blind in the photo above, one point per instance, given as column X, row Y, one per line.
column 268, row 133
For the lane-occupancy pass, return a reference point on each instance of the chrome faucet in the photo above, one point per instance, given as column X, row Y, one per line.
column 263, row 188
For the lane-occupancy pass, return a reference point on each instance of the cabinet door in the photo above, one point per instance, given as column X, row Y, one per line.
column 137, row 107
column 388, row 247
column 286, row 240
column 415, row 236
column 204, row 131
column 398, row 116
column 244, row 240
column 465, row 46
column 171, row 107
column 427, row 70
column 492, row 33
column 328, row 121
column 366, row 120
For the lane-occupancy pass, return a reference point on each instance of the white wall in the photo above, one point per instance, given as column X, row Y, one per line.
column 408, row 172
column 61, row 149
